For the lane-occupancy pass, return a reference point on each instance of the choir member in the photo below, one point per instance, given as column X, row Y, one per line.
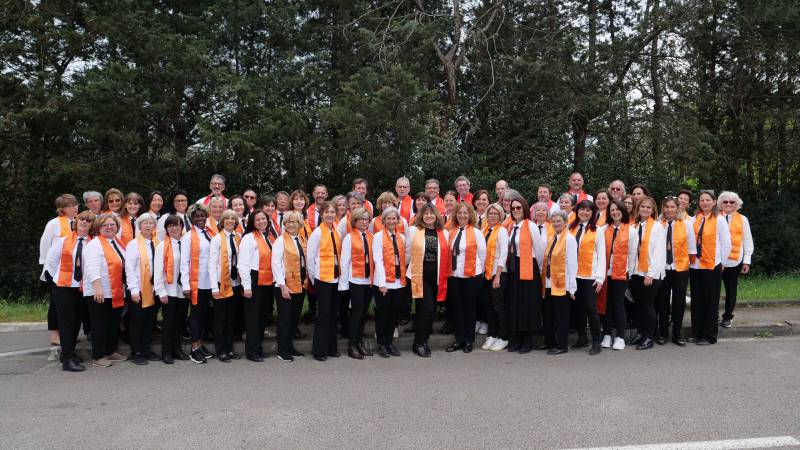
column 223, row 275
column 216, row 185
column 402, row 188
column 684, row 202
column 617, row 189
column 622, row 243
column 255, row 268
column 559, row 271
column 494, row 285
column 155, row 203
column 113, row 201
column 180, row 202
column 313, row 214
column 576, row 188
column 289, row 270
column 738, row 261
column 324, row 251
column 93, row 201
column 139, row 266
column 167, row 281
column 389, row 280
column 133, row 207
column 195, row 280
column 481, row 202
column 356, row 278
column 462, row 186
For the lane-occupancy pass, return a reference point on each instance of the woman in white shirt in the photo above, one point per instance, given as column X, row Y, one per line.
column 494, row 284
column 289, row 270
column 167, row 274
column 195, row 280
column 738, row 262
column 223, row 255
column 139, row 265
column 356, row 278
column 324, row 252
column 180, row 202
column 621, row 246
column 559, row 271
column 648, row 271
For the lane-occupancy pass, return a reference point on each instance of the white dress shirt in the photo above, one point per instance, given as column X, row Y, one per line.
column 132, row 267
column 379, row 277
column 96, row 268
column 346, row 260
column 571, row 269
column 656, row 251
column 164, row 289
column 203, row 281
column 746, row 248
column 480, row 256
column 214, row 263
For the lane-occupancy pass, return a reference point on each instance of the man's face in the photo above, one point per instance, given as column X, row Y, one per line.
column 217, row 186
column 576, row 182
column 500, row 188
column 401, row 188
column 432, row 191
column 462, row 186
column 320, row 194
column 361, row 188
column 94, row 204
column 283, row 202
column 543, row 194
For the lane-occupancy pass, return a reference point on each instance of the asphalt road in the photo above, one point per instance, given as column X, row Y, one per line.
column 746, row 388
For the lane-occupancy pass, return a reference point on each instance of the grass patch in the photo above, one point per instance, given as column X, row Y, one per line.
column 23, row 310
column 761, row 288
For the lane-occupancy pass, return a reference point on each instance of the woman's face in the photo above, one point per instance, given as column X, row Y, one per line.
column 584, row 214
column 449, row 203
column 250, row 198
column 462, row 216
column 341, row 207
column 728, row 205
column 132, row 207
column 237, row 205
column 156, row 203
column 83, row 226
column 706, row 203
column 683, row 202
column 601, row 201
column 329, row 215
column 558, row 223
column 615, row 213
column 481, row 203
column 429, row 218
column 637, row 193
column 565, row 204
column 540, row 214
column 268, row 208
column 492, row 217
column 70, row 211
column 199, row 219
column 354, row 203
column 108, row 229
column 419, row 203
column 230, row 224
column 670, row 210
column 174, row 230
column 216, row 209
column 114, row 203
column 261, row 221
column 298, row 204
column 391, row 221
column 146, row 228
column 645, row 211
column 516, row 211
column 629, row 204
column 180, row 203
column 291, row 226
column 362, row 224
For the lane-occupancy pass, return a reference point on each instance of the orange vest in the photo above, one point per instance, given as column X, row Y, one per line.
column 643, row 264
column 291, row 264
column 585, row 250
column 65, row 269
column 357, row 255
column 327, row 258
column 417, row 257
column 264, row 260
column 491, row 247
column 708, row 242
column 680, row 245
column 526, row 255
column 619, row 271
column 557, row 264
column 225, row 281
column 145, row 285
column 405, row 207
column 470, row 252
column 115, row 270
column 212, row 227
column 389, row 258
column 601, row 220
column 737, row 231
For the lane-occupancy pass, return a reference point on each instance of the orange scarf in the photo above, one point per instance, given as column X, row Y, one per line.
column 737, row 233
column 115, row 271
column 643, row 264
column 417, row 257
column 558, row 265
column 264, row 260
column 63, row 226
column 390, row 259
column 169, row 260
column 471, row 250
column 194, row 264
column 585, row 250
column 491, row 247
column 405, row 207
column 680, row 245
column 708, row 243
column 145, row 285
column 377, row 226
column 526, row 255
column 212, row 227
column 357, row 256
column 225, row 282
column 65, row 269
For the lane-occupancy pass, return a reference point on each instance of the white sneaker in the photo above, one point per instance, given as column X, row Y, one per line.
column 606, row 341
column 619, row 343
column 487, row 344
column 484, row 328
column 498, row 345
column 395, row 333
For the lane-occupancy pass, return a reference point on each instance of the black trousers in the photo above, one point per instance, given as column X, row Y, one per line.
column 494, row 307
column 615, row 306
column 172, row 323
column 67, row 302
column 343, row 318
column 555, row 312
column 405, row 304
column 312, row 304
column 52, row 313
column 387, row 310
column 105, row 327
column 360, row 296
column 224, row 320
column 674, row 286
column 325, row 342
column 730, row 276
column 140, row 327
column 288, row 318
column 705, row 302
column 255, row 315
column 200, row 314
column 426, row 310
column 464, row 303
column 586, row 308
column 645, row 297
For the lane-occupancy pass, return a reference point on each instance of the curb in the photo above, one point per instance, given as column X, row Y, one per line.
column 13, row 327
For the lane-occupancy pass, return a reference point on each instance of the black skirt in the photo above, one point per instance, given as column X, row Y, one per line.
column 524, row 302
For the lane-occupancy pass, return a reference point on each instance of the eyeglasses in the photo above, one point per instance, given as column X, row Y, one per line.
column 108, row 225
column 729, row 202
column 250, row 197
column 84, row 219
column 615, row 189
column 115, row 200
column 516, row 208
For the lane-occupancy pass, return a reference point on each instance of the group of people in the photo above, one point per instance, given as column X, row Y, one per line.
column 495, row 265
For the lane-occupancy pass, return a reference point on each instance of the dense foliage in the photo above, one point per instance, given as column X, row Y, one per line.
column 287, row 93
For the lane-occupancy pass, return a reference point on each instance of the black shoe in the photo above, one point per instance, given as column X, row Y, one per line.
column 285, row 358
column 363, row 349
column 692, row 340
column 513, row 346
column 409, row 329
column 383, row 351
column 402, row 322
column 646, row 344
column 581, row 343
column 300, row 335
column 167, row 358
column 454, row 347
column 393, row 350
column 180, row 355
column 595, row 347
column 321, row 358
column 206, row 354
column 234, row 355
column 197, row 356
column 295, row 354
column 726, row 323
column 353, row 352
column 419, row 350
column 661, row 340
column 223, row 358
column 679, row 342
column 542, row 347
column 427, row 349
column 703, row 342
column 255, row 358
column 447, row 328
column 77, row 359
column 525, row 349
column 335, row 354
column 636, row 340
column 152, row 356
column 556, row 351
column 139, row 359
column 70, row 365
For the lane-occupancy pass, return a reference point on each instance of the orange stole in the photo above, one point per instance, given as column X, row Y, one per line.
column 526, row 255
column 115, row 271
column 145, row 285
column 417, row 256
column 327, row 258
column 389, row 258
column 470, row 252
column 63, row 226
column 127, row 230
column 169, row 260
column 194, row 265
column 377, row 226
column 491, row 247
column 585, row 250
column 406, row 207
column 680, row 245
column 225, row 281
column 212, row 227
column 65, row 269
column 357, row 256
column 558, row 265
column 264, row 260
column 709, row 241
column 736, row 226
column 643, row 264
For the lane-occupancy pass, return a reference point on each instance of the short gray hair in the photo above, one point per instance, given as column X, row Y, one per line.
column 511, row 194
column 145, row 217
column 728, row 195
column 219, row 177
column 559, row 213
column 540, row 205
column 567, row 196
column 91, row 194
column 387, row 211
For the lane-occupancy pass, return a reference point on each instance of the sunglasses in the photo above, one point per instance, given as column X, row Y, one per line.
column 728, row 202
column 115, row 200
column 250, row 197
column 84, row 219
column 516, row 208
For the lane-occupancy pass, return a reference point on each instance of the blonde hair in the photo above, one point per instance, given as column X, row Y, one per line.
column 98, row 222
column 356, row 214
column 293, row 216
column 65, row 201
column 383, row 199
column 230, row 214
column 473, row 218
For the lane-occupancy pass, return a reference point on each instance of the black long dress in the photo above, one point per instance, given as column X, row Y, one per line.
column 523, row 299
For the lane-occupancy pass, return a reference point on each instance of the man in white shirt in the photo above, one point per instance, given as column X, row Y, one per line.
column 217, row 185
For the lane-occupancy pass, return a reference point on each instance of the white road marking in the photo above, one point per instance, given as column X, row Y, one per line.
column 765, row 442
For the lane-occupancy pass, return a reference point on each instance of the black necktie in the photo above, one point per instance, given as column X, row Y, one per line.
column 641, row 225
column 540, row 229
column 302, row 255
column 396, row 258
column 70, row 223
column 179, row 272
column 319, row 216
column 669, row 242
column 613, row 239
column 488, row 233
column 335, row 257
column 456, row 249
column 511, row 261
column 700, row 238
column 78, row 272
column 152, row 261
column 550, row 254
column 480, row 222
column 122, row 258
column 578, row 238
column 186, row 224
column 133, row 226
column 280, row 221
column 366, row 254
column 728, row 219
column 234, row 259
column 205, row 233
column 266, row 238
